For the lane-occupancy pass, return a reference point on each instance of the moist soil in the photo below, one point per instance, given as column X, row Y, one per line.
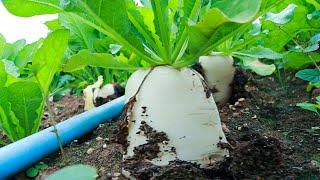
column 270, row 138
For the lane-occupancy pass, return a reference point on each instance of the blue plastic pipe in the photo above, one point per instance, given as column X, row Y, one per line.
column 26, row 152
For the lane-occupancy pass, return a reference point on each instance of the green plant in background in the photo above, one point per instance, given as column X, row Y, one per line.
column 313, row 107
column 275, row 37
column 85, row 40
column 144, row 38
column 17, row 55
column 22, row 99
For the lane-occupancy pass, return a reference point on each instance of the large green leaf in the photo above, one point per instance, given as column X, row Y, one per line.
column 258, row 67
column 260, row 52
column 48, row 59
column 240, row 11
column 25, row 99
column 10, row 68
column 282, row 17
column 3, row 75
column 296, row 60
column 82, row 32
column 75, row 172
column 144, row 24
column 219, row 24
column 11, row 51
column 191, row 9
column 311, row 75
column 7, row 119
column 27, row 54
column 85, row 58
column 308, row 106
column 2, row 44
column 26, row 8
column 162, row 25
column 278, row 36
column 110, row 17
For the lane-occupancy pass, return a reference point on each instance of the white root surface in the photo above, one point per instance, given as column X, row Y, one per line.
column 219, row 73
column 175, row 102
column 96, row 90
column 90, row 92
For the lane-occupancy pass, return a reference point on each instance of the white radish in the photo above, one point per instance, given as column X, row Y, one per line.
column 90, row 92
column 219, row 73
column 179, row 104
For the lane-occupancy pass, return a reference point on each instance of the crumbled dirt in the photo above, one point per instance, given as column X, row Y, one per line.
column 269, row 136
column 65, row 108
column 138, row 165
column 151, row 149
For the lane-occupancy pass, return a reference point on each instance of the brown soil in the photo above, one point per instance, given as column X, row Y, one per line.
column 270, row 138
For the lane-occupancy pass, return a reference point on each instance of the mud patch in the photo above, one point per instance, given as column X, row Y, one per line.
column 256, row 153
column 138, row 166
column 151, row 149
column 238, row 85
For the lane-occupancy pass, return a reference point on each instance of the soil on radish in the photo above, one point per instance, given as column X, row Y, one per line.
column 269, row 138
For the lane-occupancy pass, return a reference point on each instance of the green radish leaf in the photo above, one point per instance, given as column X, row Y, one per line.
column 41, row 166
column 32, row 172
column 114, row 48
column 311, row 48
column 25, row 98
column 2, row 142
column 258, row 67
column 54, row 24
column 191, row 9
column 260, row 52
column 219, row 24
column 311, row 75
column 318, row 99
column 82, row 32
column 315, row 39
column 85, row 58
column 283, row 17
column 75, row 172
column 161, row 23
column 146, row 3
column 3, row 75
column 315, row 14
column 240, row 11
column 27, row 8
column 48, row 59
column 295, row 60
column 110, row 18
column 7, row 119
column 11, row 68
column 313, row 44
column 144, row 24
column 27, row 54
column 11, row 51
column 308, row 106
column 256, row 28
column 2, row 45
column 285, row 33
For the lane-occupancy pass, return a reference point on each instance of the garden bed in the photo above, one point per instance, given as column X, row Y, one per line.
column 269, row 137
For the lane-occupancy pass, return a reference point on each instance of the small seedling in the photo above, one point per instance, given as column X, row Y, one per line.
column 34, row 171
column 313, row 107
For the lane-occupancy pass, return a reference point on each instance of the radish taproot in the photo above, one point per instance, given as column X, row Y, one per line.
column 179, row 97
column 219, row 73
column 170, row 115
